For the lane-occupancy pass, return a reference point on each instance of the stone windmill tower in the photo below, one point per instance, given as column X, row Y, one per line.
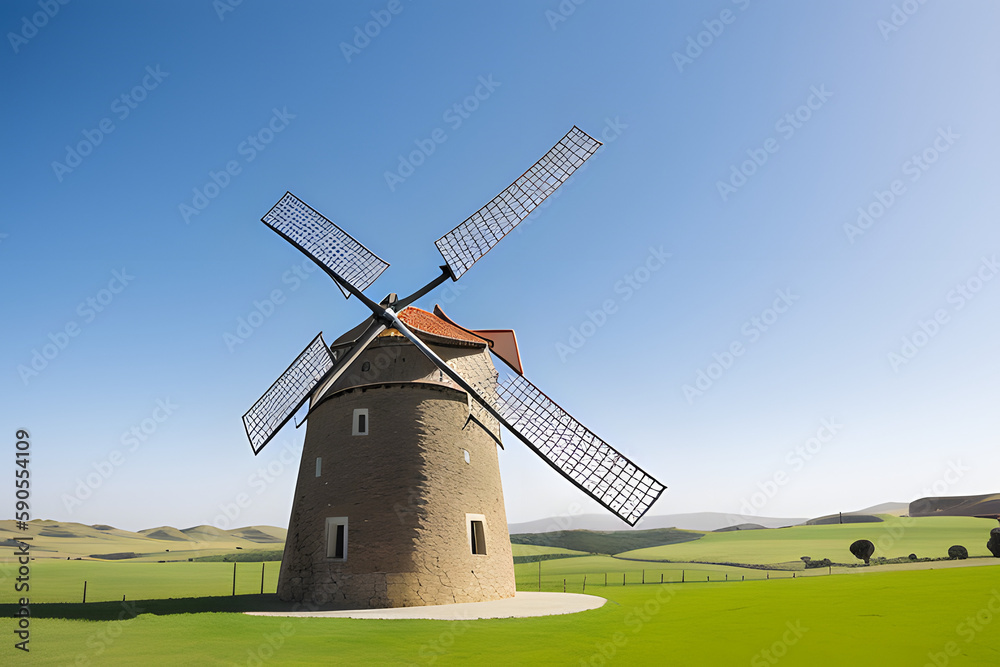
column 398, row 500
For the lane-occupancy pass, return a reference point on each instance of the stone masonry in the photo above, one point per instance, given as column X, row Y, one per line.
column 405, row 487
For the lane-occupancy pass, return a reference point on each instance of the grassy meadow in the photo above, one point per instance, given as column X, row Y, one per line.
column 938, row 612
column 892, row 618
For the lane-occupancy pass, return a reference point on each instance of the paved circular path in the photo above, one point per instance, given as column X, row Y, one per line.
column 522, row 605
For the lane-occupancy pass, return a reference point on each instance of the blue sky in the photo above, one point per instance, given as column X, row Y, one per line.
column 822, row 176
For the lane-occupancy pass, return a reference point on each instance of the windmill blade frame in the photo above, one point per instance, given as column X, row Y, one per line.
column 288, row 393
column 338, row 253
column 606, row 471
column 468, row 242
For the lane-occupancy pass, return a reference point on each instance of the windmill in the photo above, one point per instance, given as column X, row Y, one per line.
column 404, row 504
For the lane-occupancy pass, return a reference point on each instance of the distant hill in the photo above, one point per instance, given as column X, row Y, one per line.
column 895, row 509
column 606, row 542
column 66, row 539
column 956, row 505
column 165, row 533
column 849, row 517
column 702, row 521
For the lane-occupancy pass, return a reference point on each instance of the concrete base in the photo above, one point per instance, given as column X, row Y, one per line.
column 522, row 605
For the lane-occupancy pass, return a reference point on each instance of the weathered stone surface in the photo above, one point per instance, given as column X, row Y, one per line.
column 405, row 488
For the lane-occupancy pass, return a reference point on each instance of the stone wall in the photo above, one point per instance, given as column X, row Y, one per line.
column 405, row 488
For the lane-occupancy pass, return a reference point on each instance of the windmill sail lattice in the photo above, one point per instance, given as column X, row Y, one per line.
column 468, row 242
column 575, row 451
column 288, row 393
column 325, row 243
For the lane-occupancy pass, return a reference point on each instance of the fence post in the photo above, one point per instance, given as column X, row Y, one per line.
column 605, row 579
column 623, row 578
column 539, row 574
column 661, row 577
column 234, row 578
column 564, row 585
column 682, row 576
column 644, row 575
column 84, row 590
column 262, row 577
column 584, row 583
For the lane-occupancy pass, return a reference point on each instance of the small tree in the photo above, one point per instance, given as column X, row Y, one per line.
column 958, row 551
column 863, row 550
column 994, row 544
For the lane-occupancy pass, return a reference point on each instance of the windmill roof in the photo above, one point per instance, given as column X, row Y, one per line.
column 431, row 324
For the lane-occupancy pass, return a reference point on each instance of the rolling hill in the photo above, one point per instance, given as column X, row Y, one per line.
column 63, row 539
column 956, row 505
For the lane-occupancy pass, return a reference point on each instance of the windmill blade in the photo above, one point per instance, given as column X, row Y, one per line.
column 468, row 242
column 336, row 251
column 601, row 471
column 288, row 393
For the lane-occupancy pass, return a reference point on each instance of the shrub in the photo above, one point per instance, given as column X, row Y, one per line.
column 994, row 544
column 912, row 556
column 958, row 551
column 863, row 550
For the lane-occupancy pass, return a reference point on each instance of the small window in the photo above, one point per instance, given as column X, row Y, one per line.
column 360, row 422
column 465, row 453
column 476, row 524
column 336, row 537
column 319, row 466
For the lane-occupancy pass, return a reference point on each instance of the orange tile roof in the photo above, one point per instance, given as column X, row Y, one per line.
column 422, row 321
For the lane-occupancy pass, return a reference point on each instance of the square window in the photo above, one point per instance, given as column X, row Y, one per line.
column 360, row 425
column 476, row 531
column 336, row 537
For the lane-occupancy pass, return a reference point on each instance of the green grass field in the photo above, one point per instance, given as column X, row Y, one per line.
column 894, row 618
column 895, row 537
column 939, row 613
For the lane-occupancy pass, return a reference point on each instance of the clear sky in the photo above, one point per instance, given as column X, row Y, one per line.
column 823, row 177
